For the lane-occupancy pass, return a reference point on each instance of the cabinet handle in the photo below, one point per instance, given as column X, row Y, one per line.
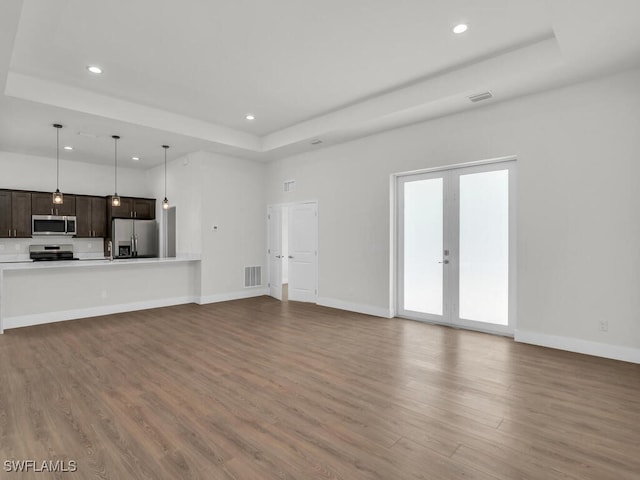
column 14, row 233
column 9, row 232
column 135, row 214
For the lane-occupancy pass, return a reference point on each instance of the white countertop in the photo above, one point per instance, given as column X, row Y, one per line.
column 93, row 262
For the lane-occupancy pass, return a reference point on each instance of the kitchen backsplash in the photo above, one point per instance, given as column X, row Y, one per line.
column 15, row 249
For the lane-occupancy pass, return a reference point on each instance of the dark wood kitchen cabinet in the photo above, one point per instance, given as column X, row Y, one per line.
column 42, row 204
column 124, row 210
column 15, row 214
column 144, row 208
column 91, row 216
column 138, row 208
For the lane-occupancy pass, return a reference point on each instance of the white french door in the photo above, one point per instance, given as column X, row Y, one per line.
column 456, row 247
column 302, row 254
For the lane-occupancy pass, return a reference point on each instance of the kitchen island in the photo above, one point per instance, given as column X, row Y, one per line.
column 32, row 293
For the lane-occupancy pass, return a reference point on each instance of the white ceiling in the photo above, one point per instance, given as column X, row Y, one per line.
column 186, row 73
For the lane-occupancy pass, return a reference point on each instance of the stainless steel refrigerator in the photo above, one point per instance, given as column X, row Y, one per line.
column 134, row 238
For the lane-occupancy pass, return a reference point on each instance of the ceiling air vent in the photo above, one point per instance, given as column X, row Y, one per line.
column 481, row 96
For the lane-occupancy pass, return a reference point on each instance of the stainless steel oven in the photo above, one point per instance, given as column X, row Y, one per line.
column 53, row 225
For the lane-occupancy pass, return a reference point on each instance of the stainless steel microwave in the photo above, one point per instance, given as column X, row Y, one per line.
column 53, row 225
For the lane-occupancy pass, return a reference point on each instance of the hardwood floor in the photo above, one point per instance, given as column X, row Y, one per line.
column 257, row 389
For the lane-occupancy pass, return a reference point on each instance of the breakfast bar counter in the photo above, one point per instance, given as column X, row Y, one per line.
column 33, row 293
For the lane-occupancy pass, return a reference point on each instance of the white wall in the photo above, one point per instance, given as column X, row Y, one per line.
column 184, row 191
column 233, row 199
column 216, row 190
column 578, row 152
column 28, row 172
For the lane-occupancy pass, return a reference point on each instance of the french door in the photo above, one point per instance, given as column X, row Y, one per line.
column 456, row 247
column 302, row 254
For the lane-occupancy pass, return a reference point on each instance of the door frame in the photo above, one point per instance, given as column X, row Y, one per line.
column 317, row 239
column 396, row 267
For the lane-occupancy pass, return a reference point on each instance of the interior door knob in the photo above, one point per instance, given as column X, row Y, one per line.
column 290, row 256
column 445, row 262
column 278, row 256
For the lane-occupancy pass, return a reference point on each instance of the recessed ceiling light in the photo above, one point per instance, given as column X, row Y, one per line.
column 94, row 69
column 135, row 158
column 250, row 116
column 68, row 147
column 460, row 28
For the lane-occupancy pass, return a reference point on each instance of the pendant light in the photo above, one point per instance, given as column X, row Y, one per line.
column 57, row 196
column 165, row 202
column 115, row 200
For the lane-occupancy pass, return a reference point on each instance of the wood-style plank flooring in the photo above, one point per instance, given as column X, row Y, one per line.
column 257, row 389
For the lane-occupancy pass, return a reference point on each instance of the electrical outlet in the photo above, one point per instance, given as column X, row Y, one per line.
column 1, row 247
column 17, row 247
column 604, row 325
column 89, row 245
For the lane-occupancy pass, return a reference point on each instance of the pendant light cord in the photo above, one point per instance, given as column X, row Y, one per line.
column 57, row 159
column 165, row 173
column 116, row 169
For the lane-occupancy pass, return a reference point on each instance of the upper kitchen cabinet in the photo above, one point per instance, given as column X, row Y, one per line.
column 15, row 214
column 125, row 210
column 144, row 208
column 91, row 216
column 42, row 204
column 138, row 208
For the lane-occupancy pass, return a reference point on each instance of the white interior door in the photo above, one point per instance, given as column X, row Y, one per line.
column 303, row 252
column 457, row 247
column 274, row 250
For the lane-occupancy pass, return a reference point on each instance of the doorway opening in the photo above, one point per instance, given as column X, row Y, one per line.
column 456, row 247
column 292, row 251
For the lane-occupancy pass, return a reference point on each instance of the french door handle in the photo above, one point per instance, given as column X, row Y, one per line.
column 446, row 262
column 290, row 256
column 278, row 256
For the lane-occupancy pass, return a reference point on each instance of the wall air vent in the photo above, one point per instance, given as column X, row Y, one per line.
column 289, row 186
column 481, row 96
column 252, row 276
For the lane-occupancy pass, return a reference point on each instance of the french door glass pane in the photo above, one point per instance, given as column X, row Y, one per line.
column 423, row 237
column 484, row 247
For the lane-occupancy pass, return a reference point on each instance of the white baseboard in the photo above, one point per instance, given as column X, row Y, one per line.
column 225, row 297
column 615, row 352
column 50, row 317
column 354, row 307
